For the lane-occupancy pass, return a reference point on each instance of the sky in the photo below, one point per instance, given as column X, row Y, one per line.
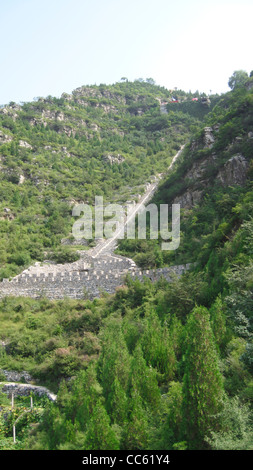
column 48, row 47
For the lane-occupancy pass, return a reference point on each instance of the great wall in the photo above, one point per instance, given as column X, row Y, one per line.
column 87, row 277
column 98, row 269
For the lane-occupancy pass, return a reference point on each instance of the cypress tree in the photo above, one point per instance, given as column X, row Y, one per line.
column 100, row 435
column 202, row 381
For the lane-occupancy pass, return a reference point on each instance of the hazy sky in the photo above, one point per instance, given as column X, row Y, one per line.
column 48, row 47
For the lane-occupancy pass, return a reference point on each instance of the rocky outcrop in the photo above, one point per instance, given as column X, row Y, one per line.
column 208, row 137
column 210, row 170
column 7, row 214
column 24, row 144
column 14, row 376
column 113, row 158
column 234, row 171
column 5, row 138
column 199, row 168
column 21, row 179
column 11, row 111
column 188, row 199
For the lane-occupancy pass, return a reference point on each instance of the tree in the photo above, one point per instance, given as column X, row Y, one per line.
column 158, row 347
column 236, row 432
column 119, row 403
column 114, row 361
column 169, row 433
column 137, row 429
column 202, row 381
column 218, row 322
column 151, row 81
column 240, row 299
column 100, row 435
column 143, row 380
column 238, row 79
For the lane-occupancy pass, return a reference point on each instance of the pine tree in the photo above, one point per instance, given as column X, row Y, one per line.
column 114, row 362
column 202, row 381
column 218, row 322
column 137, row 428
column 158, row 348
column 100, row 435
column 143, row 379
column 169, row 432
column 119, row 403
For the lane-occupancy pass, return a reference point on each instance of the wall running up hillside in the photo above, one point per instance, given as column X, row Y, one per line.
column 87, row 277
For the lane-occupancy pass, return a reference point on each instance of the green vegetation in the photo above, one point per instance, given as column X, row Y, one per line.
column 222, row 209
column 148, row 371
column 22, row 415
column 156, row 365
column 101, row 140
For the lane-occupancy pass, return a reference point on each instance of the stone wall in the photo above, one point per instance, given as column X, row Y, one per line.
column 25, row 390
column 98, row 270
column 87, row 277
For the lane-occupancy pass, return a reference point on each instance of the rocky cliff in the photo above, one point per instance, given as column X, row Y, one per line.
column 213, row 168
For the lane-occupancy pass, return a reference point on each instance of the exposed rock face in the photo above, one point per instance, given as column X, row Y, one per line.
column 206, row 101
column 188, row 199
column 114, row 158
column 21, row 179
column 5, row 138
column 7, row 214
column 24, row 144
column 60, row 117
column 10, row 111
column 234, row 171
column 14, row 376
column 198, row 169
column 208, row 137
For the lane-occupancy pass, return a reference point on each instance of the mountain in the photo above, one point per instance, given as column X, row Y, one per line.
column 210, row 180
column 56, row 152
column 157, row 364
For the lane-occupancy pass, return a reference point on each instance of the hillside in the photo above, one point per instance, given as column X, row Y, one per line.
column 55, row 152
column 211, row 180
column 157, row 364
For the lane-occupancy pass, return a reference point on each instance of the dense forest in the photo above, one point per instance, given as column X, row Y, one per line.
column 162, row 365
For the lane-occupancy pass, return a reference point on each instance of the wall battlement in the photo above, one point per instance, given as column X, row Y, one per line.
column 87, row 277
